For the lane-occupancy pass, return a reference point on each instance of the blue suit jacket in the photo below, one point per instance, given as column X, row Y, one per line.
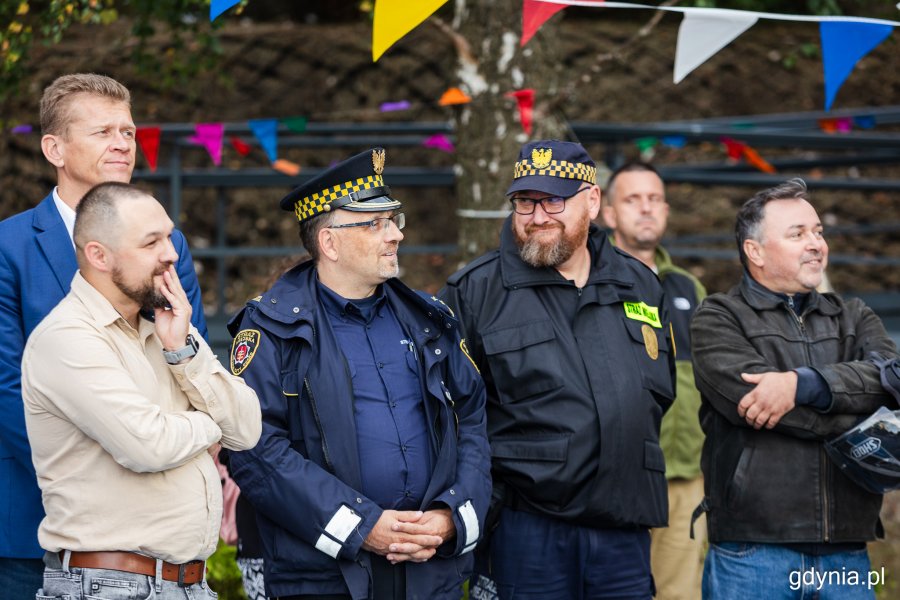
column 37, row 264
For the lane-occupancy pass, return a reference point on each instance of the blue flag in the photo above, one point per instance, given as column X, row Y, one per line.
column 217, row 7
column 843, row 44
column 266, row 131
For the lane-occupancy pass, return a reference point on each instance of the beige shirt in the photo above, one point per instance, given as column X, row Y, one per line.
column 119, row 437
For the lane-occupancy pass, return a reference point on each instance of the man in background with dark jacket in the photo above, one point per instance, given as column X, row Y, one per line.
column 572, row 337
column 636, row 211
column 781, row 369
column 372, row 476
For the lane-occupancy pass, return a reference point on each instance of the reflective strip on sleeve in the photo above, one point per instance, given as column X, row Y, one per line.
column 328, row 546
column 342, row 523
column 470, row 520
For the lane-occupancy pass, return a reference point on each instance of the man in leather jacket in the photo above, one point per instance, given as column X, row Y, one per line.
column 573, row 339
column 781, row 369
column 372, row 476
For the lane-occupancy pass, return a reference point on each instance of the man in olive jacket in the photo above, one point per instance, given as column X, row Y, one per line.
column 781, row 369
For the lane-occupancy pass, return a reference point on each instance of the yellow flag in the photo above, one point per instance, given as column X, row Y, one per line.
column 396, row 18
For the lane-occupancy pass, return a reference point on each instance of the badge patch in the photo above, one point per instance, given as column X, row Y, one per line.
column 541, row 157
column 244, row 347
column 378, row 161
column 640, row 311
column 650, row 342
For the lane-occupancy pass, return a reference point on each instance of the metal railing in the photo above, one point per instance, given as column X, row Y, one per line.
column 794, row 131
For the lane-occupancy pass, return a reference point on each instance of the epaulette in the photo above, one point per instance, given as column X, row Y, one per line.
column 476, row 263
column 437, row 303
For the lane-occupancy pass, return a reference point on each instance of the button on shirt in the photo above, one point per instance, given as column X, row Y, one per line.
column 391, row 428
column 119, row 437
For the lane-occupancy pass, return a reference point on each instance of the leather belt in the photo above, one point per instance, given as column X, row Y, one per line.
column 184, row 574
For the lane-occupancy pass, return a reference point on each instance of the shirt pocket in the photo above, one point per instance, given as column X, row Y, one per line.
column 524, row 360
column 650, row 346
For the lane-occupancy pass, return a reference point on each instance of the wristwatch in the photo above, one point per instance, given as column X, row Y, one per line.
column 176, row 356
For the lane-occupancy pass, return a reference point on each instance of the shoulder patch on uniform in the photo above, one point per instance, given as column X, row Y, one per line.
column 640, row 311
column 257, row 299
column 443, row 306
column 465, row 350
column 244, row 347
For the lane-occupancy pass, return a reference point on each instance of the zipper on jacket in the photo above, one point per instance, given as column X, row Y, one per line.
column 312, row 402
column 823, row 459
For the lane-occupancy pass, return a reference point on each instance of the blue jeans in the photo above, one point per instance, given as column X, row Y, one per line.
column 20, row 577
column 77, row 583
column 540, row 558
column 739, row 570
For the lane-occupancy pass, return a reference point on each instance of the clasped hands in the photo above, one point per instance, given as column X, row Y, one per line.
column 410, row 535
column 774, row 396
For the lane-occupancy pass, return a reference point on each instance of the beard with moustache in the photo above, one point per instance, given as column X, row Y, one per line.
column 146, row 296
column 551, row 253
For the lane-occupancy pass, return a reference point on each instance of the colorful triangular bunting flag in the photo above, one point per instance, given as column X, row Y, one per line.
column 843, row 44
column 395, row 18
column 702, row 35
column 534, row 15
column 209, row 135
column 148, row 141
column 217, row 7
column 266, row 131
column 525, row 101
column 452, row 96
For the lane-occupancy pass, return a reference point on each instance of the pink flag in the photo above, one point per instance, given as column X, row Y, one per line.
column 440, row 142
column 210, row 135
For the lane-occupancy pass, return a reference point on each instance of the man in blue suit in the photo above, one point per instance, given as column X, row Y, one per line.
column 89, row 137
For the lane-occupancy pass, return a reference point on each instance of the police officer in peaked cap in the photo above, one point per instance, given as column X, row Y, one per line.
column 573, row 339
column 372, row 476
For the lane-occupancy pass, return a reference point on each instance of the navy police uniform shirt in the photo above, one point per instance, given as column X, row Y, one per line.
column 392, row 433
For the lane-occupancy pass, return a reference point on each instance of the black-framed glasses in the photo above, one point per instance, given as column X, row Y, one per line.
column 552, row 205
column 378, row 224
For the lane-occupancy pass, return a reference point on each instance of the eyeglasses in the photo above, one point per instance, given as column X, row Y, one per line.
column 552, row 205
column 378, row 224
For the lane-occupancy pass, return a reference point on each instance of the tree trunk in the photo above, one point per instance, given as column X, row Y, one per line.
column 492, row 63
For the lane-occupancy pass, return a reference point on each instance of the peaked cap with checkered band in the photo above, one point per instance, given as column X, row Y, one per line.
column 354, row 184
column 553, row 167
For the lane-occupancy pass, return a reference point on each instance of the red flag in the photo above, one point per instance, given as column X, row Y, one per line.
column 525, row 100
column 148, row 141
column 734, row 148
column 535, row 14
column 242, row 147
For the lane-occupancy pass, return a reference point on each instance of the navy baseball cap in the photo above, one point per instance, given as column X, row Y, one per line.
column 355, row 184
column 553, row 167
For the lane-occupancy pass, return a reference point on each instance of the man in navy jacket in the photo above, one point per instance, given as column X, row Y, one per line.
column 89, row 137
column 372, row 476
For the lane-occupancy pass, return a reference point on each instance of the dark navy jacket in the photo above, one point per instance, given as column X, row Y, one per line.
column 303, row 477
column 37, row 264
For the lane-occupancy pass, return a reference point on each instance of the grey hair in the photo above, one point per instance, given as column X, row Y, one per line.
column 309, row 232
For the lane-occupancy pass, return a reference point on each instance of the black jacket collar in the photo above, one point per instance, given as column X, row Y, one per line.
column 607, row 265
